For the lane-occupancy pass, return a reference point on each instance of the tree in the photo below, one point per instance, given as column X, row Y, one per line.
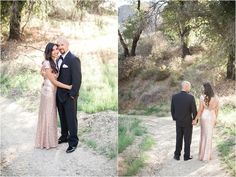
column 135, row 25
column 221, row 29
column 226, row 24
column 178, row 17
column 133, row 29
column 124, row 45
column 15, row 19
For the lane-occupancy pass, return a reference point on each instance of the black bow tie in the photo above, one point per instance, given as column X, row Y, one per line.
column 61, row 58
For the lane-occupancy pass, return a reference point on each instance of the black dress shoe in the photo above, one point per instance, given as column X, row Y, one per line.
column 62, row 141
column 176, row 157
column 188, row 158
column 70, row 149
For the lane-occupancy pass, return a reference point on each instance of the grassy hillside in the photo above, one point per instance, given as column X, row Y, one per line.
column 147, row 82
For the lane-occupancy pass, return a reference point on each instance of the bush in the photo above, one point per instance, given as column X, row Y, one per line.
column 175, row 79
column 130, row 67
column 156, row 74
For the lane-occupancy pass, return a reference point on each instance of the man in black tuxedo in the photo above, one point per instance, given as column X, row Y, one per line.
column 69, row 73
column 183, row 111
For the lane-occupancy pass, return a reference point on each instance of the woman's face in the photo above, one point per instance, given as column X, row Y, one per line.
column 55, row 52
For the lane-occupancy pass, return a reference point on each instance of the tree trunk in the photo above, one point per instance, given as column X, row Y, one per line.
column 231, row 65
column 124, row 45
column 138, row 5
column 15, row 20
column 184, row 41
column 185, row 49
column 135, row 41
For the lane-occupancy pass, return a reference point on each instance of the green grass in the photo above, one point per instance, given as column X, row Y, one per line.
column 124, row 140
column 108, row 151
column 95, row 96
column 83, row 130
column 134, row 166
column 228, row 108
column 127, row 130
column 130, row 128
column 19, row 83
column 147, row 143
column 158, row 110
column 135, row 163
column 226, row 148
column 90, row 143
column 101, row 94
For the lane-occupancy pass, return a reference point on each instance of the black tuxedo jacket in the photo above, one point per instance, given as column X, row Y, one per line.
column 183, row 109
column 70, row 74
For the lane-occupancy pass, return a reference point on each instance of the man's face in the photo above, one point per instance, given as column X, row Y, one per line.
column 62, row 46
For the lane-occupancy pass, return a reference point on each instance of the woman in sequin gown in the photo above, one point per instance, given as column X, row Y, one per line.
column 46, row 134
column 207, row 113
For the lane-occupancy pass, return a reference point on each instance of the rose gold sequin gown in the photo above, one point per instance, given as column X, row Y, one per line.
column 207, row 124
column 46, row 135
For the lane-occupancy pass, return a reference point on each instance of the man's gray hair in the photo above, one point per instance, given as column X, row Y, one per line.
column 185, row 83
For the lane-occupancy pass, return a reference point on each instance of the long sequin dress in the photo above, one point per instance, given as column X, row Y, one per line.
column 46, row 135
column 208, row 119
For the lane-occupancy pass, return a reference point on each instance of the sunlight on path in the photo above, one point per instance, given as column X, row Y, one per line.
column 161, row 162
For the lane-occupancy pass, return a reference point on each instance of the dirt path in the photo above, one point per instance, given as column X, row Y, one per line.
column 161, row 162
column 19, row 157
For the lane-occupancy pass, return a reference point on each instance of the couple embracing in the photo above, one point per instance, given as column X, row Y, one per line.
column 184, row 112
column 60, row 89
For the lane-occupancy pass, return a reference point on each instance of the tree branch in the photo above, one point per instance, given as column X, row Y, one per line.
column 30, row 9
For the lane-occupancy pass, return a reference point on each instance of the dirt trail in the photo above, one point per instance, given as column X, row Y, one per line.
column 19, row 157
column 161, row 162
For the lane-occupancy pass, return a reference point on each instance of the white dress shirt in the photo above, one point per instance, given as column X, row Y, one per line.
column 60, row 60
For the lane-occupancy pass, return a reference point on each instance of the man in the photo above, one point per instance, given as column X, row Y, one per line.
column 69, row 73
column 183, row 111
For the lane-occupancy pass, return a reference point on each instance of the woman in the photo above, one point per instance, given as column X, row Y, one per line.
column 46, row 135
column 208, row 111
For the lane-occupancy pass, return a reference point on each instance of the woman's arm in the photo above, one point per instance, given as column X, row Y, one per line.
column 52, row 78
column 199, row 113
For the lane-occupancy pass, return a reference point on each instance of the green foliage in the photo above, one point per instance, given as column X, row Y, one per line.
column 95, row 7
column 127, row 130
column 137, row 129
column 5, row 7
column 134, row 166
column 94, row 97
column 228, row 108
column 90, row 143
column 99, row 95
column 156, row 73
column 24, row 81
column 147, row 143
column 110, row 152
column 226, row 147
column 125, row 137
column 177, row 16
column 133, row 24
column 131, row 128
column 159, row 110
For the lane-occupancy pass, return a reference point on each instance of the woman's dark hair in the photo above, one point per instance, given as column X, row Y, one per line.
column 48, row 56
column 209, row 93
